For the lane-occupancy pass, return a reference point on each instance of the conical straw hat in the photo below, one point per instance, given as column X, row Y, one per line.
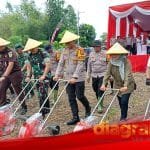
column 117, row 49
column 31, row 44
column 3, row 42
column 68, row 37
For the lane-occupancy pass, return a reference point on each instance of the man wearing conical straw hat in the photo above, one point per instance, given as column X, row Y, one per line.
column 120, row 69
column 72, row 61
column 10, row 73
column 40, row 63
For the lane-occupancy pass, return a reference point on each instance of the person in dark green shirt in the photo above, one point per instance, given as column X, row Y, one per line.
column 22, row 59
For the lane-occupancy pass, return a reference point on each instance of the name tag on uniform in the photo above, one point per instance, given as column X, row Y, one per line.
column 10, row 54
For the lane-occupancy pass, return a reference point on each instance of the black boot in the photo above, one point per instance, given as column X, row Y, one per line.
column 23, row 110
column 32, row 94
column 88, row 111
column 5, row 103
column 45, row 111
column 73, row 121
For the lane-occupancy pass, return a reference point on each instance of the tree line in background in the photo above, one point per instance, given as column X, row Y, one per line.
column 26, row 20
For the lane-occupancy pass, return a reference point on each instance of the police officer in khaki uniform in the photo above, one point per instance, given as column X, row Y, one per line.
column 72, row 60
column 96, row 70
column 54, row 59
column 10, row 73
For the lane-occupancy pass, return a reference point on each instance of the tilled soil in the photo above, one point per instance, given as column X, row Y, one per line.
column 61, row 114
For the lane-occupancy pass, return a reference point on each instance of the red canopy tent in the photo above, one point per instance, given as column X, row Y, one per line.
column 125, row 19
column 130, row 19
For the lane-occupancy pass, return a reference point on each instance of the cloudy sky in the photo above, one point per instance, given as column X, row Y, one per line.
column 94, row 12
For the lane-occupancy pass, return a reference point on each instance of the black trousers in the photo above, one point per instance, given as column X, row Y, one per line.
column 42, row 88
column 77, row 91
column 11, row 89
column 52, row 83
column 111, row 84
column 129, row 48
column 134, row 49
column 96, row 84
column 148, row 49
column 123, row 103
column 86, row 62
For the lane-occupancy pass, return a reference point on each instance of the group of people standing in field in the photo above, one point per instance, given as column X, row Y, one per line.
column 17, row 68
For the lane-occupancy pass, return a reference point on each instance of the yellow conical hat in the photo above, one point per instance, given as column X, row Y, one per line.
column 117, row 49
column 31, row 44
column 68, row 37
column 3, row 42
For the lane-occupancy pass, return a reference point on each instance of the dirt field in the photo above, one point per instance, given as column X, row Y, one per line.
column 62, row 113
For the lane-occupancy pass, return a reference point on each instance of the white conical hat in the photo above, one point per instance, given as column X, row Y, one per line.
column 3, row 42
column 31, row 44
column 117, row 49
column 68, row 37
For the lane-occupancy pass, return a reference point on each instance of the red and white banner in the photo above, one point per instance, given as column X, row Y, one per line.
column 104, row 136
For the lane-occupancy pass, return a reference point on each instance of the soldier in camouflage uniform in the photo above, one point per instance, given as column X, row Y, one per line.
column 96, row 69
column 22, row 59
column 10, row 73
column 54, row 59
column 40, row 63
column 72, row 62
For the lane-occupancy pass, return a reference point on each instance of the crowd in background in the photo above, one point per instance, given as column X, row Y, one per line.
column 135, row 45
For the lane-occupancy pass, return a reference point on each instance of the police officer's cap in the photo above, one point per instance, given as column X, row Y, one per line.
column 96, row 43
column 48, row 47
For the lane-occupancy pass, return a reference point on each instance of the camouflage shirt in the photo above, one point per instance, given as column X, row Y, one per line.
column 22, row 58
column 37, row 61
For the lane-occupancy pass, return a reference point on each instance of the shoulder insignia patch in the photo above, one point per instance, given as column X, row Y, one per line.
column 80, row 54
column 10, row 54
